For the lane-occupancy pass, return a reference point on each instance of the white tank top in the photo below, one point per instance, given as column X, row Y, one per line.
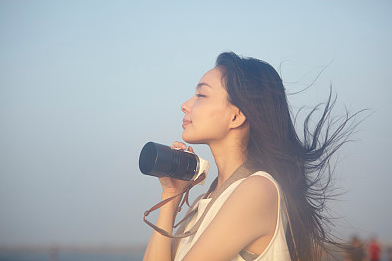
column 277, row 248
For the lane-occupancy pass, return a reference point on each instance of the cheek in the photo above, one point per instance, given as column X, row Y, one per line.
column 212, row 119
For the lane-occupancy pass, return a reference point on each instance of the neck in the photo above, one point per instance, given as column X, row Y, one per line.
column 228, row 157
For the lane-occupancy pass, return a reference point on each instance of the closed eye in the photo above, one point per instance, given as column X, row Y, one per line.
column 200, row 95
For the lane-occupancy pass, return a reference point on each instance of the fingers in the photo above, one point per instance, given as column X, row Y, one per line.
column 178, row 145
column 181, row 146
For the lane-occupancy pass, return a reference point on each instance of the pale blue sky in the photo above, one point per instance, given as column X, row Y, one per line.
column 85, row 84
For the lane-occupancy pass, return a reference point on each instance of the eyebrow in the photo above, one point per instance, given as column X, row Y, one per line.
column 199, row 85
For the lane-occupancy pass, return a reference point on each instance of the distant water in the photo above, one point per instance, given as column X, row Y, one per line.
column 64, row 255
column 69, row 256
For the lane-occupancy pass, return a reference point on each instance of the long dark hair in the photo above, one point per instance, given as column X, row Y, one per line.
column 301, row 167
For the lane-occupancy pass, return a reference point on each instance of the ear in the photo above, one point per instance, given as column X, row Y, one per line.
column 238, row 119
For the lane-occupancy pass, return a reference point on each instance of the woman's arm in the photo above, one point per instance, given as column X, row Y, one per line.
column 181, row 228
column 249, row 213
column 159, row 247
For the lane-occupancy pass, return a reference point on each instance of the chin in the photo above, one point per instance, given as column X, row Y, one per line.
column 188, row 139
column 192, row 139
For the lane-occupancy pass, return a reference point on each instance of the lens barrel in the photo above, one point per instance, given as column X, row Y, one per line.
column 160, row 161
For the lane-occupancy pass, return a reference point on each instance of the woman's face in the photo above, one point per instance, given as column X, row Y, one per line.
column 208, row 113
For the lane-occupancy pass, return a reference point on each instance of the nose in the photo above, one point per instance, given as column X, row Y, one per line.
column 185, row 107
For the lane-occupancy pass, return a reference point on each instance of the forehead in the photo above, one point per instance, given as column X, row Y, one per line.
column 212, row 78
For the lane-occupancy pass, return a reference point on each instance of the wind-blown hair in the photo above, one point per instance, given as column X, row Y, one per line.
column 301, row 167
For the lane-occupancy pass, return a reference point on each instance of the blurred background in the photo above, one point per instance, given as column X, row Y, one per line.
column 85, row 84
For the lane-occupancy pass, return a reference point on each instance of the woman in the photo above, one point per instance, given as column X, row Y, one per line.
column 240, row 111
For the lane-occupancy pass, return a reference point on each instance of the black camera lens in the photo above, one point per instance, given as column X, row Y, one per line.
column 160, row 161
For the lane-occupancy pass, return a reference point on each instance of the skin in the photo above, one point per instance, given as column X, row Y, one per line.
column 250, row 212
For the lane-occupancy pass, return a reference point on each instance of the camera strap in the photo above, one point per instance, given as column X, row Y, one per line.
column 184, row 199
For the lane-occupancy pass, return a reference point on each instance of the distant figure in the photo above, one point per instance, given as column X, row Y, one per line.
column 374, row 250
column 53, row 252
column 390, row 253
column 356, row 252
column 346, row 256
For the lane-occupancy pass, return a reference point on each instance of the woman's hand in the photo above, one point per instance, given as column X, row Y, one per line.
column 172, row 186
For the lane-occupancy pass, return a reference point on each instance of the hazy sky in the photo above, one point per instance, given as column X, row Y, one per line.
column 85, row 84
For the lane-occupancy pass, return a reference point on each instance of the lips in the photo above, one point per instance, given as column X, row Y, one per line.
column 186, row 122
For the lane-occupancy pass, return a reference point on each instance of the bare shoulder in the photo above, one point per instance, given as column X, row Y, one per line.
column 257, row 187
column 256, row 197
